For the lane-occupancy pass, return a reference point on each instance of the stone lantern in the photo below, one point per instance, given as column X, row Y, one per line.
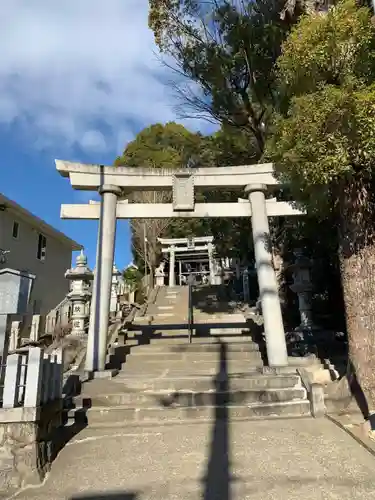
column 80, row 277
column 302, row 286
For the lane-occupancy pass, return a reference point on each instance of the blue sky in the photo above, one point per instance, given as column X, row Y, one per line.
column 77, row 81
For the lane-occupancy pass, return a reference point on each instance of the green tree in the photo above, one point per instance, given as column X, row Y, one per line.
column 132, row 277
column 229, row 49
column 157, row 146
column 232, row 146
column 323, row 146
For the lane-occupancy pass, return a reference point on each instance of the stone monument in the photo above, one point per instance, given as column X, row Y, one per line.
column 15, row 292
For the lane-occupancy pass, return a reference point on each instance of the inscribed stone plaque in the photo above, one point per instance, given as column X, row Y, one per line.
column 190, row 243
column 183, row 192
column 9, row 293
column 15, row 291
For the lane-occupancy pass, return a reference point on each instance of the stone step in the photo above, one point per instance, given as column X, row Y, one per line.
column 218, row 317
column 147, row 356
column 192, row 358
column 190, row 399
column 183, row 327
column 124, row 416
column 156, row 333
column 184, row 339
column 195, row 347
column 169, row 360
column 179, row 369
column 172, row 316
column 241, row 382
column 215, row 330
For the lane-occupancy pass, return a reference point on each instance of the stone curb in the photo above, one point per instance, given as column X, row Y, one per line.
column 355, row 434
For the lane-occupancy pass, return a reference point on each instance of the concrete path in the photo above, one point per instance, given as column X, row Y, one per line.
column 275, row 459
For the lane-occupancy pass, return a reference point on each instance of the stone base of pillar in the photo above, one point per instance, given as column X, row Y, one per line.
column 307, row 328
column 105, row 374
column 82, row 335
column 160, row 280
column 279, row 370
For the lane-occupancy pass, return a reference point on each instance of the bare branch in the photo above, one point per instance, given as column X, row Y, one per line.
column 151, row 228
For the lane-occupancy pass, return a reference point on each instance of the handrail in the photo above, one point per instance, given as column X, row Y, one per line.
column 151, row 299
column 190, row 308
column 52, row 321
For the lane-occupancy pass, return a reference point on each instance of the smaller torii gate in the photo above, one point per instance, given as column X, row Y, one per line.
column 113, row 184
column 198, row 245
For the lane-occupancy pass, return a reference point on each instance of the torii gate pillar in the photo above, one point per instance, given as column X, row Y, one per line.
column 268, row 289
column 101, row 296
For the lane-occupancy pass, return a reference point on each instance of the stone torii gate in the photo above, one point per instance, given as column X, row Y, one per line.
column 113, row 183
column 193, row 246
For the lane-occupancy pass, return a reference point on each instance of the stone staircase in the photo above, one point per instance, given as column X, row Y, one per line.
column 170, row 306
column 163, row 379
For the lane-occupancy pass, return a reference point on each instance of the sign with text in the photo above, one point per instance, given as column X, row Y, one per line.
column 183, row 192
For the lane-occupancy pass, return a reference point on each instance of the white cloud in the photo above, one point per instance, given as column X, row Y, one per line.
column 67, row 68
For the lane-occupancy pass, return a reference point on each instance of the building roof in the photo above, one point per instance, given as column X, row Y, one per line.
column 13, row 207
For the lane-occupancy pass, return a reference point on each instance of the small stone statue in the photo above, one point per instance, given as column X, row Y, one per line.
column 3, row 254
column 160, row 274
column 159, row 271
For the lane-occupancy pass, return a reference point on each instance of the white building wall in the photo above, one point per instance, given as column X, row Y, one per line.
column 50, row 286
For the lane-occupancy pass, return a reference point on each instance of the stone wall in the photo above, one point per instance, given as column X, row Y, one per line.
column 29, row 442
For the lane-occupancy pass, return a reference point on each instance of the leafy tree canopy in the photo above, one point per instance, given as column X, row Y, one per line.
column 229, row 49
column 161, row 146
column 132, row 277
column 326, row 136
column 323, row 147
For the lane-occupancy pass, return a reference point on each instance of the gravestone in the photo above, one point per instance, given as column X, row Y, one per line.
column 15, row 290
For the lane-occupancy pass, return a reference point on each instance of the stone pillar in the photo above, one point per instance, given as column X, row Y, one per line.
column 35, row 327
column 268, row 289
column 91, row 351
column 114, row 290
column 211, row 263
column 15, row 335
column 238, row 269
column 245, row 285
column 172, row 260
column 99, row 318
column 218, row 272
column 159, row 279
column 80, row 278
